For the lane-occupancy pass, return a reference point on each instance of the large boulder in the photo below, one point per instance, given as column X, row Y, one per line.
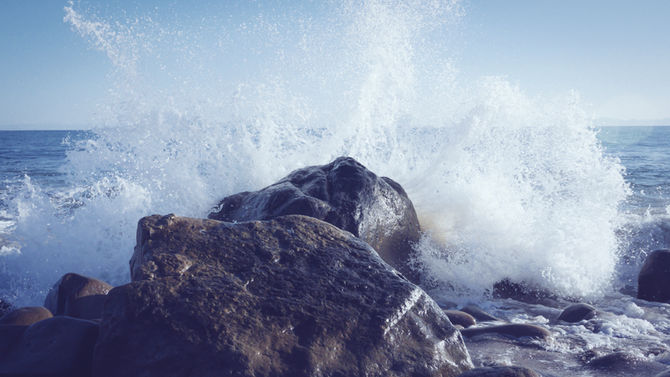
column 77, row 296
column 343, row 193
column 56, row 347
column 293, row 296
column 654, row 278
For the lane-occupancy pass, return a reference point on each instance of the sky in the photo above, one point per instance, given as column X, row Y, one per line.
column 614, row 53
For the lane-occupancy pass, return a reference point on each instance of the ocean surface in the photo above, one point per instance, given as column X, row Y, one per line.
column 506, row 185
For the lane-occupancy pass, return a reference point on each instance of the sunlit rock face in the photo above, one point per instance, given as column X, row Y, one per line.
column 293, row 296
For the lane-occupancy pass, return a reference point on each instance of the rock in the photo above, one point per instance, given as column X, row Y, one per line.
column 622, row 362
column 293, row 296
column 500, row 371
column 524, row 292
column 460, row 318
column 10, row 335
column 513, row 330
column 478, row 313
column 56, row 347
column 654, row 278
column 25, row 316
column 77, row 296
column 343, row 193
column 577, row 312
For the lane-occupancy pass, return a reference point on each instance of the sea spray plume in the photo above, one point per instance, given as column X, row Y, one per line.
column 202, row 110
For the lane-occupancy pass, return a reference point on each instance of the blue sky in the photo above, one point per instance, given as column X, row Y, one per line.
column 615, row 53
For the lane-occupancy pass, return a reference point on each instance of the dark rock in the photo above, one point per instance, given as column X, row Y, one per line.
column 343, row 193
column 9, row 336
column 479, row 314
column 293, row 296
column 77, row 296
column 460, row 318
column 501, row 371
column 56, row 347
column 654, row 278
column 577, row 312
column 25, row 316
column 513, row 330
column 622, row 362
column 523, row 292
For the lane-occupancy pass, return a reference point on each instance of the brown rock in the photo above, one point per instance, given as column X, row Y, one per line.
column 479, row 314
column 25, row 316
column 577, row 312
column 343, row 193
column 293, row 296
column 77, row 296
column 460, row 318
column 500, row 371
column 513, row 330
column 55, row 347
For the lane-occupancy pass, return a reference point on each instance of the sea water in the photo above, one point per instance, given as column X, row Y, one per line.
column 505, row 185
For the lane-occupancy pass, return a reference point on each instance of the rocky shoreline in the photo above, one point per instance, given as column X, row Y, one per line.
column 310, row 276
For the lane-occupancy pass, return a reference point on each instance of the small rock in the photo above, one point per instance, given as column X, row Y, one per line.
column 55, row 347
column 77, row 296
column 654, row 278
column 479, row 314
column 577, row 312
column 621, row 362
column 501, row 371
column 458, row 317
column 513, row 330
column 25, row 316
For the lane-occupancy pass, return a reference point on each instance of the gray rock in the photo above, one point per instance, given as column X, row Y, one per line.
column 56, row 347
column 25, row 316
column 622, row 362
column 577, row 312
column 343, row 193
column 460, row 318
column 293, row 296
column 512, row 330
column 479, row 314
column 500, row 371
column 654, row 278
column 77, row 296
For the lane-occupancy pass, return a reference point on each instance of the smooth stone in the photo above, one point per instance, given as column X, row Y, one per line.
column 514, row 330
column 77, row 296
column 345, row 194
column 460, row 318
column 620, row 362
column 654, row 277
column 55, row 347
column 25, row 316
column 293, row 296
column 577, row 312
column 479, row 314
column 500, row 371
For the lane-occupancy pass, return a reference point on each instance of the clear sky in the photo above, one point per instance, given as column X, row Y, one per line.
column 615, row 53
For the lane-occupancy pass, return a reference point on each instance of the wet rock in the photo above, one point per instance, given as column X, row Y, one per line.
column 524, row 292
column 59, row 347
column 479, row 314
column 293, row 296
column 9, row 336
column 577, row 312
column 343, row 193
column 512, row 330
column 25, row 316
column 500, row 371
column 654, row 278
column 623, row 363
column 77, row 296
column 460, row 318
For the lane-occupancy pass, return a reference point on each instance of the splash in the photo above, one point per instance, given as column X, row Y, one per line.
column 209, row 102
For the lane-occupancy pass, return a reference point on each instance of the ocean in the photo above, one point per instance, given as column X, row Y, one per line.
column 506, row 185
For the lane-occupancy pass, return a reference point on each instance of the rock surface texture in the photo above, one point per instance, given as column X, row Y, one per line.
column 77, row 296
column 293, row 296
column 343, row 193
column 654, row 278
